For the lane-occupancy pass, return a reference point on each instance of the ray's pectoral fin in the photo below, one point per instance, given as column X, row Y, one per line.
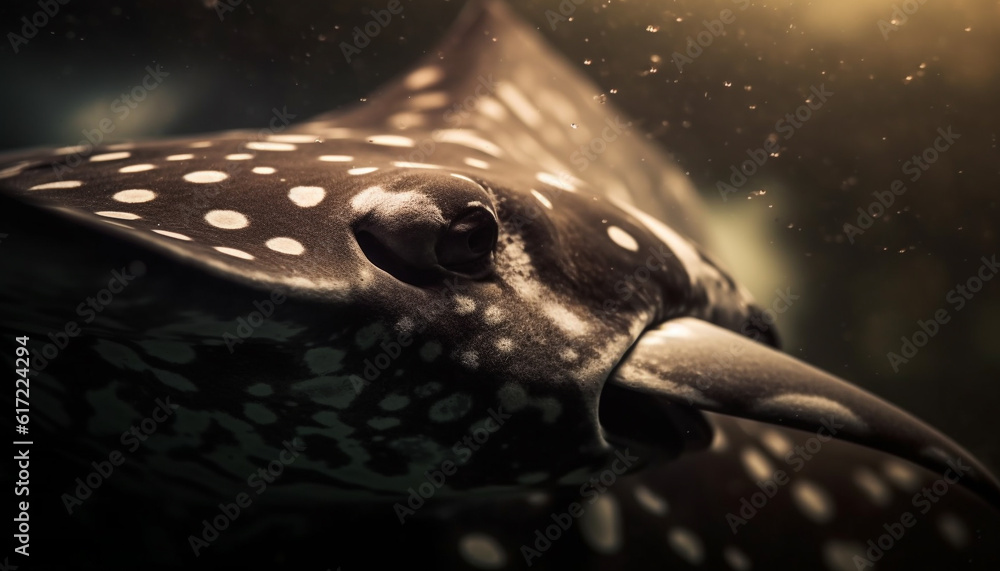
column 702, row 365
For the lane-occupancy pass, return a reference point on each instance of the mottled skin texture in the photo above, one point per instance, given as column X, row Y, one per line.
column 531, row 343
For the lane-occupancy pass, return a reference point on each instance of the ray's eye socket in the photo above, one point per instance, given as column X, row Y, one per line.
column 467, row 245
column 422, row 238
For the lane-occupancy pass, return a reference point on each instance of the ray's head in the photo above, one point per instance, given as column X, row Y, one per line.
column 444, row 297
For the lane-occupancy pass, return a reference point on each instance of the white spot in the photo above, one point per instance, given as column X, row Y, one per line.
column 476, row 163
column 622, row 238
column 306, row 196
column 409, row 203
column 493, row 315
column 200, row 144
column 203, row 177
column 392, row 140
column 464, row 305
column 563, row 182
column 405, row 325
column 263, row 170
column 492, row 108
column 137, row 168
column 756, row 464
column 227, row 219
column 812, row 500
column 519, row 104
column 423, row 77
column 70, row 150
column 687, row 545
column 286, row 246
column 183, row 157
column 568, row 354
column 545, row 201
column 406, row 119
column 239, row 157
column 902, row 475
column 565, row 319
column 872, row 485
column 234, row 252
column 119, row 215
column 815, row 405
column 292, row 138
column 505, row 345
column 430, row 100
column 776, row 443
column 719, row 441
column 840, row 555
column 407, row 165
column 601, row 525
column 361, row 170
column 336, row 158
column 468, row 139
column 482, row 551
column 650, row 502
column 172, row 235
column 270, row 146
column 954, row 530
column 736, row 559
column 469, row 358
column 110, row 157
column 134, row 195
column 681, row 247
column 57, row 184
column 14, row 169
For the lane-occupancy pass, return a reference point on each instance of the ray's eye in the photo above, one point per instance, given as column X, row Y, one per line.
column 468, row 243
column 420, row 230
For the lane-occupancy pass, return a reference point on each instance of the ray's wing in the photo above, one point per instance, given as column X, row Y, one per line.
column 495, row 86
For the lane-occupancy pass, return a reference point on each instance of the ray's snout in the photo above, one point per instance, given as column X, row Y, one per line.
column 422, row 228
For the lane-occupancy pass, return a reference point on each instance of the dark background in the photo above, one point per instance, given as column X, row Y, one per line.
column 939, row 69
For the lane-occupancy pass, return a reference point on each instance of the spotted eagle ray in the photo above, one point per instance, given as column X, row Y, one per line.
column 469, row 323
